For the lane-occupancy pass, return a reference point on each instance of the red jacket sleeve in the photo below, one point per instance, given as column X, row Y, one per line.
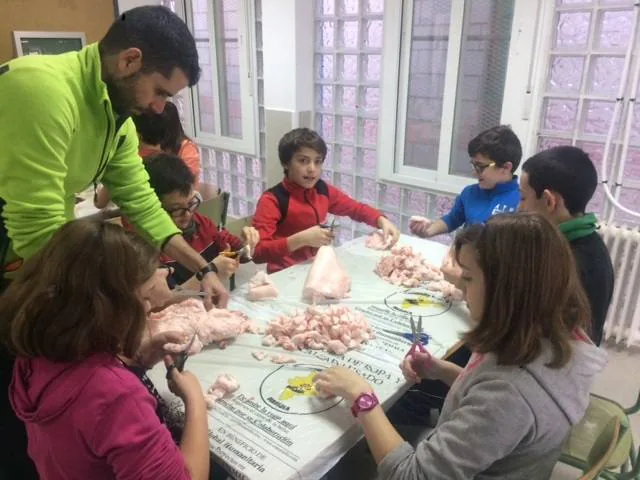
column 343, row 205
column 136, row 445
column 227, row 238
column 265, row 220
column 222, row 238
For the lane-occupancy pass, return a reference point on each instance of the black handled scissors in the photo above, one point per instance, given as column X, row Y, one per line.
column 181, row 359
column 331, row 226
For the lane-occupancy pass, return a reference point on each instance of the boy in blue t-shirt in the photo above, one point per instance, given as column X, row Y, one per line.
column 495, row 156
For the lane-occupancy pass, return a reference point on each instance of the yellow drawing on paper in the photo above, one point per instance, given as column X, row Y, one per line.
column 419, row 301
column 299, row 387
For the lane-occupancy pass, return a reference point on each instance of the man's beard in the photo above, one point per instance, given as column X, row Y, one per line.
column 122, row 94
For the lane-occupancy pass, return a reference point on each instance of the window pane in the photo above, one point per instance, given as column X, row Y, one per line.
column 615, row 28
column 572, row 29
column 486, row 36
column 228, row 67
column 205, row 85
column 428, row 62
column 225, row 13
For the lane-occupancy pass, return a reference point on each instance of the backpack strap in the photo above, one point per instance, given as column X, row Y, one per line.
column 322, row 188
column 282, row 196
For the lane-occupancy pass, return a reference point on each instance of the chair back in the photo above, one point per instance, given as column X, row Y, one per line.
column 216, row 208
column 602, row 449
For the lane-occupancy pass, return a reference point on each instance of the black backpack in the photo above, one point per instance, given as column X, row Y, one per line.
column 282, row 196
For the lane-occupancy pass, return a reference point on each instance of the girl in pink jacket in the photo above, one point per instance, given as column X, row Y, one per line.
column 75, row 320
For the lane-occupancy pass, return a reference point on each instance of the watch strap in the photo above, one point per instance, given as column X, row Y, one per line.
column 208, row 268
column 357, row 408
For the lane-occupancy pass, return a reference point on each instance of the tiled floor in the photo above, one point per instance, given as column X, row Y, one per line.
column 619, row 381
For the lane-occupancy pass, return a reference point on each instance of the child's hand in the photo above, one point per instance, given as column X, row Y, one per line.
column 250, row 237
column 183, row 384
column 341, row 382
column 317, row 236
column 421, row 366
column 420, row 226
column 226, row 266
column 152, row 350
column 390, row 232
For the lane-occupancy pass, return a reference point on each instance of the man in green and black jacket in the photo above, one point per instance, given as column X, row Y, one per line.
column 64, row 125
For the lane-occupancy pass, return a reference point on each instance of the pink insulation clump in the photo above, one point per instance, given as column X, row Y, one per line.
column 376, row 241
column 224, row 385
column 336, row 329
column 189, row 317
column 406, row 268
column 261, row 288
column 280, row 359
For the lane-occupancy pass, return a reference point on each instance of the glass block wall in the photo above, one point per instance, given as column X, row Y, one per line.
column 242, row 175
column 348, row 59
column 585, row 63
column 584, row 70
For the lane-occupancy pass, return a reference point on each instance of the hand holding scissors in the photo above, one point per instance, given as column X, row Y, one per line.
column 417, row 358
column 181, row 358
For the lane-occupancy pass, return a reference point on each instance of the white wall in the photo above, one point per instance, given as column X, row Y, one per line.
column 287, row 39
column 124, row 5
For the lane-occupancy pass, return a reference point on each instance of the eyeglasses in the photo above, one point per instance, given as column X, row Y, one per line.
column 192, row 206
column 481, row 167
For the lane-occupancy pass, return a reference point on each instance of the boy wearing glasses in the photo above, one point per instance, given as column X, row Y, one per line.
column 174, row 183
column 495, row 156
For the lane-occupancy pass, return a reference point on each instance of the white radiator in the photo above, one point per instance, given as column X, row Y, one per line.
column 623, row 319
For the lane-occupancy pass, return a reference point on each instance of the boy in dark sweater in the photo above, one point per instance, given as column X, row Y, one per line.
column 559, row 183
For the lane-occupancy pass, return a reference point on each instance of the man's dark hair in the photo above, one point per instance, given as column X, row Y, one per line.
column 151, row 127
column 299, row 138
column 168, row 174
column 499, row 144
column 565, row 170
column 162, row 37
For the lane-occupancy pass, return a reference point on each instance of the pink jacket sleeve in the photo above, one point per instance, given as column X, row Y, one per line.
column 191, row 157
column 135, row 444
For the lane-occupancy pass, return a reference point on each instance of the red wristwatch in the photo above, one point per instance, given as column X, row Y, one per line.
column 364, row 403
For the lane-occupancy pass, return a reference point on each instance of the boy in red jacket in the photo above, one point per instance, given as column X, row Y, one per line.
column 174, row 183
column 289, row 216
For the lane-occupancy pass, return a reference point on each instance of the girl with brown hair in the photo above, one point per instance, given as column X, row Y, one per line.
column 75, row 320
column 510, row 409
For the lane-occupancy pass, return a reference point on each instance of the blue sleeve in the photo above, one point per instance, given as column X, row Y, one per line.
column 514, row 201
column 456, row 218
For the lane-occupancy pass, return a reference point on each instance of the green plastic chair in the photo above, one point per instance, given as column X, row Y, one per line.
column 216, row 209
column 602, row 450
column 623, row 463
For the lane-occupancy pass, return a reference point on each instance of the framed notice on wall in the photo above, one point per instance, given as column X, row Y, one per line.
column 47, row 43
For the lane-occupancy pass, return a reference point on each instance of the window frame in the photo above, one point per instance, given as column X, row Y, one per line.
column 248, row 144
column 517, row 95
